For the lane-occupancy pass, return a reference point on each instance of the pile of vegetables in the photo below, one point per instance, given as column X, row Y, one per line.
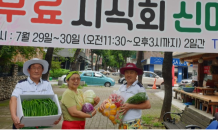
column 188, row 85
column 39, row 107
column 136, row 99
column 88, row 96
column 112, row 107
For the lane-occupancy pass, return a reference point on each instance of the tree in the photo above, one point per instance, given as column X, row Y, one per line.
column 48, row 58
column 75, row 60
column 98, row 53
column 106, row 58
column 7, row 53
column 91, row 51
column 139, row 64
column 126, row 54
column 167, row 76
column 118, row 57
column 55, row 65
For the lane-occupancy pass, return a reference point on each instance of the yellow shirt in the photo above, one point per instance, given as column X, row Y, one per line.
column 70, row 99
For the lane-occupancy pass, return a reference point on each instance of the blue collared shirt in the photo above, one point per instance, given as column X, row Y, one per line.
column 126, row 93
column 27, row 86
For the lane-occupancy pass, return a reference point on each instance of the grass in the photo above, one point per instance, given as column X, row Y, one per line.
column 60, row 97
column 151, row 121
column 175, row 116
column 4, row 103
column 157, row 124
column 80, row 86
column 85, row 85
column 54, row 85
column 63, row 86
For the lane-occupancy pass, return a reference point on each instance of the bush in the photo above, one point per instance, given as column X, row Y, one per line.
column 60, row 97
column 63, row 86
column 58, row 73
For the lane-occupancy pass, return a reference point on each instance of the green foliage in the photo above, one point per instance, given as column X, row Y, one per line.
column 53, row 85
column 55, row 65
column 157, row 124
column 147, row 119
column 80, row 87
column 60, row 97
column 20, row 64
column 58, row 73
column 151, row 120
column 63, row 86
column 4, row 103
column 8, row 52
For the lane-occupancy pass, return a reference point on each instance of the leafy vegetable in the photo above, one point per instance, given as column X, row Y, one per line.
column 87, row 108
column 39, row 107
column 188, row 85
column 137, row 99
column 89, row 96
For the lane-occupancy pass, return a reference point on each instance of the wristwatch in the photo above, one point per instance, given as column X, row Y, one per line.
column 90, row 115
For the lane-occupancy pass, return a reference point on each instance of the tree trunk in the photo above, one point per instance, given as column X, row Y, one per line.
column 105, row 66
column 91, row 60
column 167, row 76
column 74, row 64
column 48, row 58
column 139, row 64
column 125, row 60
column 96, row 63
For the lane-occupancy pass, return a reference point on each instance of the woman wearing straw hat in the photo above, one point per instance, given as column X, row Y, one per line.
column 132, row 112
column 34, row 69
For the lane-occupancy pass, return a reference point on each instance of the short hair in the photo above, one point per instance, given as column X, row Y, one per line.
column 35, row 63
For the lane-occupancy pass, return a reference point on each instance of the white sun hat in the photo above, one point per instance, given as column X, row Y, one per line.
column 44, row 63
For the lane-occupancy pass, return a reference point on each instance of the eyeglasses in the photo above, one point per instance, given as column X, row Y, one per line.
column 36, row 69
column 74, row 79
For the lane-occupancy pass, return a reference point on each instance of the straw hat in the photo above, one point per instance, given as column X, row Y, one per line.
column 44, row 63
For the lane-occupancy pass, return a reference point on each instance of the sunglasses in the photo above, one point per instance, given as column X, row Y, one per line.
column 74, row 79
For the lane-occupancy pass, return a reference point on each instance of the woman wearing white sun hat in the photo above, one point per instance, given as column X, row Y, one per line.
column 34, row 69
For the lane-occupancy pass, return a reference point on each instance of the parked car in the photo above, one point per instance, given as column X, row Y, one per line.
column 122, row 80
column 115, row 73
column 148, row 78
column 186, row 81
column 95, row 78
column 105, row 72
column 89, row 69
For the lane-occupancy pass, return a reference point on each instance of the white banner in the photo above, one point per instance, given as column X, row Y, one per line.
column 147, row 25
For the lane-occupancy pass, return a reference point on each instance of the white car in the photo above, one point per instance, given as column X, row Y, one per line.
column 186, row 81
column 148, row 78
